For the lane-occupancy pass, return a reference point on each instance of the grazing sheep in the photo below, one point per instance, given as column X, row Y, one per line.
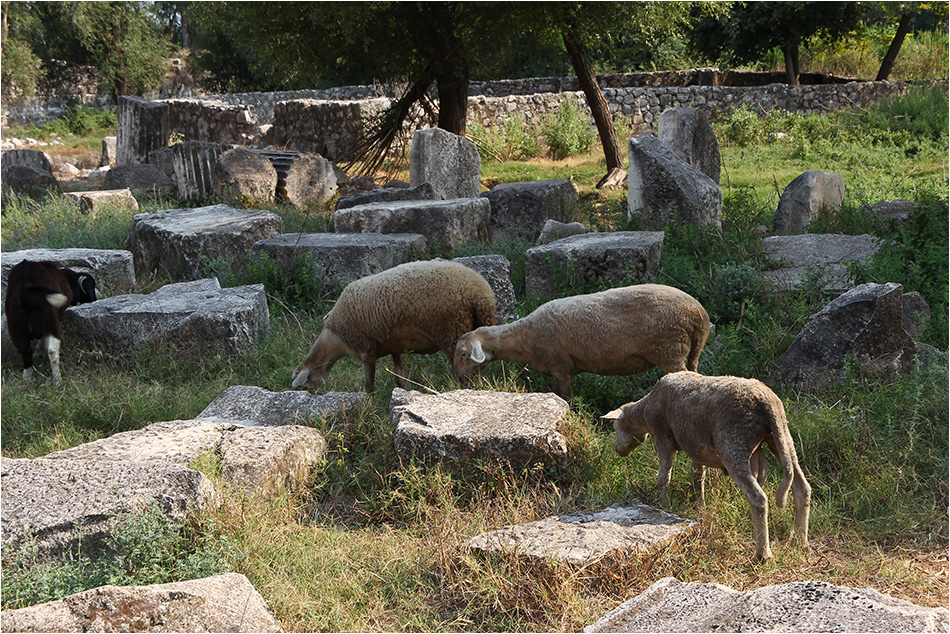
column 719, row 422
column 37, row 295
column 620, row 331
column 416, row 307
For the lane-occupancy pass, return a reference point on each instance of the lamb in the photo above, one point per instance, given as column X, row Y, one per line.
column 37, row 295
column 620, row 331
column 719, row 422
column 416, row 307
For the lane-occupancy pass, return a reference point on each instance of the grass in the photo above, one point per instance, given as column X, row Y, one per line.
column 376, row 542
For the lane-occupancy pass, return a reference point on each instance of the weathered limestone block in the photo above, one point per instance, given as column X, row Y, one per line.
column 662, row 188
column 256, row 407
column 670, row 605
column 899, row 210
column 94, row 201
column 387, row 195
column 617, row 258
column 497, row 271
column 24, row 180
column 520, row 210
column 195, row 163
column 325, row 127
column 688, row 134
column 554, row 230
column 225, row 603
column 449, row 162
column 142, row 128
column 80, row 499
column 30, row 158
column 143, row 179
column 467, row 425
column 916, row 313
column 107, row 158
column 804, row 198
column 198, row 317
column 243, row 175
column 309, row 180
column 179, row 240
column 112, row 268
column 584, row 538
column 446, row 224
column 865, row 323
column 824, row 253
column 345, row 257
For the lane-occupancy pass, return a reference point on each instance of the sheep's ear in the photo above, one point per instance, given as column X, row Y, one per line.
column 478, row 355
column 616, row 414
column 301, row 378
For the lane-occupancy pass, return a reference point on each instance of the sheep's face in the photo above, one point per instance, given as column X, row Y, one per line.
column 629, row 434
column 469, row 355
column 315, row 377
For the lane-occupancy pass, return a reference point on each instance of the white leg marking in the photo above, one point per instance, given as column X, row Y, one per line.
column 52, row 349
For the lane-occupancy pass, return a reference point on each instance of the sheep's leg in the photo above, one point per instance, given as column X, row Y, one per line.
column 664, row 474
column 52, row 350
column 399, row 369
column 802, row 492
column 369, row 366
column 759, row 465
column 760, row 510
column 564, row 386
column 699, row 483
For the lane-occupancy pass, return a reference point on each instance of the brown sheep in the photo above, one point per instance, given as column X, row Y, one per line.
column 416, row 307
column 719, row 422
column 620, row 331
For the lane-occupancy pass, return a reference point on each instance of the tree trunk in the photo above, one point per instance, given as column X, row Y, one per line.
column 791, row 63
column 451, row 77
column 888, row 62
column 613, row 152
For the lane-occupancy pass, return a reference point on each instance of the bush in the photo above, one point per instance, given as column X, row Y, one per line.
column 567, row 131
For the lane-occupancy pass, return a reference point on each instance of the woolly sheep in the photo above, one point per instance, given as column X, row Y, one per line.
column 416, row 307
column 620, row 331
column 37, row 295
column 719, row 422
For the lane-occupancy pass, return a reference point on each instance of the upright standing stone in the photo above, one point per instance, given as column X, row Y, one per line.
column 310, row 180
column 448, row 161
column 243, row 175
column 107, row 158
column 195, row 163
column 519, row 210
column 142, row 127
column 687, row 133
column 805, row 197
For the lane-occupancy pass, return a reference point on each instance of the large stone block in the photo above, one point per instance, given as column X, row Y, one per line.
column 822, row 254
column 387, row 195
column 52, row 505
column 195, row 163
column 143, row 179
column 257, row 407
column 662, row 188
column 198, row 317
column 446, row 224
column 587, row 537
column 24, row 180
column 520, row 210
column 579, row 262
column 29, row 158
column 180, row 241
column 670, row 605
column 345, row 257
column 497, row 271
column 112, row 268
column 806, row 197
column 95, row 201
column 688, row 134
column 463, row 426
column 243, row 175
column 309, row 180
column 554, row 230
column 449, row 162
column 142, row 127
column 225, row 603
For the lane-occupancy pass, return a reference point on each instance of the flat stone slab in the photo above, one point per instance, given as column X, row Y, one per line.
column 197, row 316
column 466, row 425
column 256, row 407
column 586, row 537
column 345, row 257
column 60, row 503
column 618, row 258
column 224, row 603
column 446, row 224
column 179, row 241
column 387, row 194
column 826, row 252
column 496, row 269
column 520, row 210
column 94, row 201
column 670, row 605
column 112, row 268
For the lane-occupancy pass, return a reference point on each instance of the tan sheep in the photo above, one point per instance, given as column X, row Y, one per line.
column 722, row 422
column 620, row 331
column 416, row 307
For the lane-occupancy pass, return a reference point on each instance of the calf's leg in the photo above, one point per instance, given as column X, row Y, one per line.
column 699, row 483
column 760, row 509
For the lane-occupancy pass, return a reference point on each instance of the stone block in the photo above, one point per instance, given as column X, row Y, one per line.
column 112, row 268
column 309, row 180
column 345, row 257
column 107, row 157
column 587, row 537
column 180, row 241
column 143, row 179
column 195, row 163
column 29, row 158
column 497, row 271
column 243, row 175
column 387, row 195
column 806, row 197
column 577, row 263
column 670, row 605
column 142, row 127
column 225, row 603
column 81, row 498
column 520, row 210
column 663, row 188
column 916, row 313
column 446, row 224
column 257, row 407
column 197, row 317
column 817, row 253
column 449, row 162
column 688, row 134
column 24, row 180
column 554, row 230
column 95, row 201
column 463, row 426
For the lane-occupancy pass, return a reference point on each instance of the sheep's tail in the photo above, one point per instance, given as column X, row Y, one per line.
column 784, row 450
column 697, row 341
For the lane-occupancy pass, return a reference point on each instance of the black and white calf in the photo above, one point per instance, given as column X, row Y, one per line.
column 37, row 295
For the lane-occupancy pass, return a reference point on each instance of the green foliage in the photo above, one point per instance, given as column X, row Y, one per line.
column 921, row 114
column 298, row 282
column 513, row 250
column 514, row 140
column 84, row 121
column 20, row 70
column 567, row 131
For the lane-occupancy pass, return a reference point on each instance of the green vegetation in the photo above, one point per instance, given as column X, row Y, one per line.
column 375, row 542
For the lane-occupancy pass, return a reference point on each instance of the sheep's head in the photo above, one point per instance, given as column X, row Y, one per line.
column 327, row 349
column 316, row 376
column 469, row 354
column 628, row 428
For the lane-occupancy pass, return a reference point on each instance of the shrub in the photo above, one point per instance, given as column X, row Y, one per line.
column 567, row 131
column 297, row 283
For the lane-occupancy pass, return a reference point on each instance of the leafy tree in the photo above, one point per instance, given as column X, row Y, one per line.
column 20, row 68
